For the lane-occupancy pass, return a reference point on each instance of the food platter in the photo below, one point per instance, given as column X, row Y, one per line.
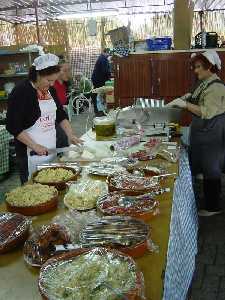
column 132, row 185
column 142, row 155
column 142, row 207
column 83, row 194
column 51, row 176
column 104, row 169
column 34, row 204
column 14, row 229
column 38, row 247
column 146, row 170
column 122, row 161
column 94, row 278
column 126, row 234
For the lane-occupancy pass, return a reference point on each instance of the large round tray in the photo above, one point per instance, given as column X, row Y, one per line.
column 61, row 185
column 133, row 294
column 130, row 192
column 18, row 237
column 144, row 215
column 135, row 251
column 98, row 233
column 35, row 210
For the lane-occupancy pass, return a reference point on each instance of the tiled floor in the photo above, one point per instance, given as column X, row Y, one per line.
column 209, row 279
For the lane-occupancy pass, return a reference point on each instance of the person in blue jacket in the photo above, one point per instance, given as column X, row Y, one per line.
column 101, row 74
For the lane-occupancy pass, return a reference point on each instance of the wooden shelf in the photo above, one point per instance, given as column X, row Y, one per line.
column 7, row 52
column 13, row 75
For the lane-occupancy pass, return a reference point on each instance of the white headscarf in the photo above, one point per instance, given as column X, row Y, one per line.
column 212, row 57
column 46, row 60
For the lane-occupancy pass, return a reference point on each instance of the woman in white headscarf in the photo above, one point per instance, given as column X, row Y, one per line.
column 33, row 111
column 207, row 135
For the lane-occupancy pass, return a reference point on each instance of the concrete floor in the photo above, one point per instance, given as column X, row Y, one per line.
column 209, row 278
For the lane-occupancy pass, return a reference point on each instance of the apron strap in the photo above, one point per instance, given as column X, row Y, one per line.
column 195, row 100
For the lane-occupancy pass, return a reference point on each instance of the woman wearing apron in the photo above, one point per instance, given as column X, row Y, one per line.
column 207, row 131
column 32, row 114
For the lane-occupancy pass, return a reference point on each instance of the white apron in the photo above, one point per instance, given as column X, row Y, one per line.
column 43, row 132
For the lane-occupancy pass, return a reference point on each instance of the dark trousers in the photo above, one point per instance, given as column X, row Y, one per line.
column 212, row 190
column 94, row 96
column 61, row 137
column 22, row 164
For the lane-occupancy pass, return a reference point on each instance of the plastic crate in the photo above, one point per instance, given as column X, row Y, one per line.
column 161, row 43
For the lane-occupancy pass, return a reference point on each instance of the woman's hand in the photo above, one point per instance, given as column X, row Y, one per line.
column 177, row 103
column 40, row 150
column 75, row 140
column 65, row 125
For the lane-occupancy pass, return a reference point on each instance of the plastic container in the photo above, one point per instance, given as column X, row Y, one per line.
column 104, row 127
column 160, row 43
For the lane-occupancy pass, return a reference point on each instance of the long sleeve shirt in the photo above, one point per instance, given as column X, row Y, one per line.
column 101, row 71
column 23, row 111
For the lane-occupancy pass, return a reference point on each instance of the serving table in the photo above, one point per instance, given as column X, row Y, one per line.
column 18, row 281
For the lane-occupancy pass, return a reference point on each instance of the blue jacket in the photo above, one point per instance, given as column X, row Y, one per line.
column 101, row 71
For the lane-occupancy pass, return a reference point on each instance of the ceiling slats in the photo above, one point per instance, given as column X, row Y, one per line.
column 22, row 11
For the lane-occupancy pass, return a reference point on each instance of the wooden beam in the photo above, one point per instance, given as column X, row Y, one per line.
column 183, row 19
column 16, row 33
column 66, row 3
column 37, row 24
column 103, row 43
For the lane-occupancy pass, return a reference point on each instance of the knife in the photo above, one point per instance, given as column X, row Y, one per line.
column 60, row 150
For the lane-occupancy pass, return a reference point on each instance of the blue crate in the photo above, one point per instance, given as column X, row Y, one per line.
column 163, row 43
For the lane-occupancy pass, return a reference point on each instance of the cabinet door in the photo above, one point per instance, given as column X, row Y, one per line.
column 171, row 75
column 132, row 79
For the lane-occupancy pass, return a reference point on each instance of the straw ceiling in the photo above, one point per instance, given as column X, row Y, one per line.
column 22, row 11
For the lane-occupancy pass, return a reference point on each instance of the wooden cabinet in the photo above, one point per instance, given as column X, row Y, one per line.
column 132, row 79
column 171, row 76
column 155, row 75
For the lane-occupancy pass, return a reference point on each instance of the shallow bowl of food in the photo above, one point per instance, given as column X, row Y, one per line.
column 94, row 277
column 142, row 207
column 14, row 230
column 32, row 199
column 56, row 176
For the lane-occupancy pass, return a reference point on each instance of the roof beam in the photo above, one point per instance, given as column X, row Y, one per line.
column 66, row 3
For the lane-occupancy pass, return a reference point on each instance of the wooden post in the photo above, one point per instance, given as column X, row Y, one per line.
column 201, row 14
column 37, row 22
column 183, row 19
column 102, row 32
column 16, row 34
column 66, row 38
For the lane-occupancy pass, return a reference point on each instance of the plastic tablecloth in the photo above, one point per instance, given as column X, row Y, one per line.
column 182, row 247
